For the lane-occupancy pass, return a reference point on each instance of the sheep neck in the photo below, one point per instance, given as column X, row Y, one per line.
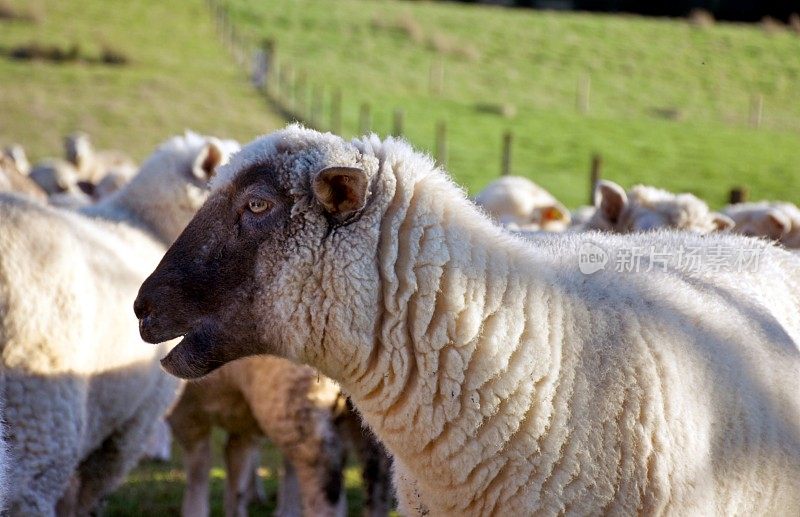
column 136, row 206
column 457, row 346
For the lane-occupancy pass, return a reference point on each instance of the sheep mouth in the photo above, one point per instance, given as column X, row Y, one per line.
column 152, row 332
column 196, row 355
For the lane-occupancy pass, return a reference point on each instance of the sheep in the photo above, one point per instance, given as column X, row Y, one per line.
column 520, row 203
column 55, row 176
column 299, row 411
column 266, row 395
column 505, row 376
column 776, row 221
column 581, row 215
column 15, row 153
column 93, row 166
column 646, row 208
column 81, row 390
column 14, row 170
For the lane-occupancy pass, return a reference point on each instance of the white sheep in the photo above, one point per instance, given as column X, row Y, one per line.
column 301, row 413
column 92, row 165
column 775, row 221
column 81, row 389
column 646, row 208
column 16, row 154
column 522, row 204
column 503, row 379
column 13, row 177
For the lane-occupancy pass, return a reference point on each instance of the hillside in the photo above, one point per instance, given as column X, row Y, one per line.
column 669, row 103
column 178, row 77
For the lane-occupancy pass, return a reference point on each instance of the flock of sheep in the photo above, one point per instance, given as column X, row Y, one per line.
column 316, row 282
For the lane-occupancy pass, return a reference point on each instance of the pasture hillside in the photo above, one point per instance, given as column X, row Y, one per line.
column 177, row 76
column 669, row 103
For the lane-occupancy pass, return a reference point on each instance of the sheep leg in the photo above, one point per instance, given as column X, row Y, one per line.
column 239, row 458
column 376, row 464
column 319, row 464
column 197, row 464
column 257, row 491
column 105, row 468
column 376, row 468
column 289, row 492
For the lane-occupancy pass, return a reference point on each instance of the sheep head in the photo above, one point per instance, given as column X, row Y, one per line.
column 647, row 208
column 285, row 243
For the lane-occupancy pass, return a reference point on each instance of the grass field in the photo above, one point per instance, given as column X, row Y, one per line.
column 669, row 102
column 179, row 77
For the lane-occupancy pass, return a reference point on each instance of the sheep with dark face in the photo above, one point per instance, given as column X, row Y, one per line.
column 502, row 379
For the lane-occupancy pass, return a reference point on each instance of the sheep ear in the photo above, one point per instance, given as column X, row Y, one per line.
column 207, row 160
column 341, row 190
column 721, row 222
column 778, row 223
column 610, row 200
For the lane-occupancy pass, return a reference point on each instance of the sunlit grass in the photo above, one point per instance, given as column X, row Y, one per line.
column 669, row 103
column 179, row 77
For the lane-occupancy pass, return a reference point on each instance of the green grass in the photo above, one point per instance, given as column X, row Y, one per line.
column 179, row 78
column 155, row 488
column 669, row 103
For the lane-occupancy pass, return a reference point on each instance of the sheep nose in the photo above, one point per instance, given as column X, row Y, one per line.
column 142, row 307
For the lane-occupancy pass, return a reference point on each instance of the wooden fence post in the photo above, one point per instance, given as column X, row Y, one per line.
column 399, row 122
column 505, row 166
column 756, row 110
column 583, row 93
column 595, row 174
column 364, row 118
column 441, row 143
column 738, row 195
column 436, row 77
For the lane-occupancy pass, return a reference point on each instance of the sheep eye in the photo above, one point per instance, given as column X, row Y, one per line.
column 258, row 205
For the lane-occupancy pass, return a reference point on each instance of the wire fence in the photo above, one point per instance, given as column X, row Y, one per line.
column 295, row 97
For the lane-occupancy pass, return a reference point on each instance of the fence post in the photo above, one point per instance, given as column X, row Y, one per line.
column 441, row 143
column 336, row 112
column 756, row 110
column 738, row 195
column 436, row 77
column 263, row 61
column 364, row 118
column 399, row 122
column 594, row 175
column 583, row 94
column 505, row 166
